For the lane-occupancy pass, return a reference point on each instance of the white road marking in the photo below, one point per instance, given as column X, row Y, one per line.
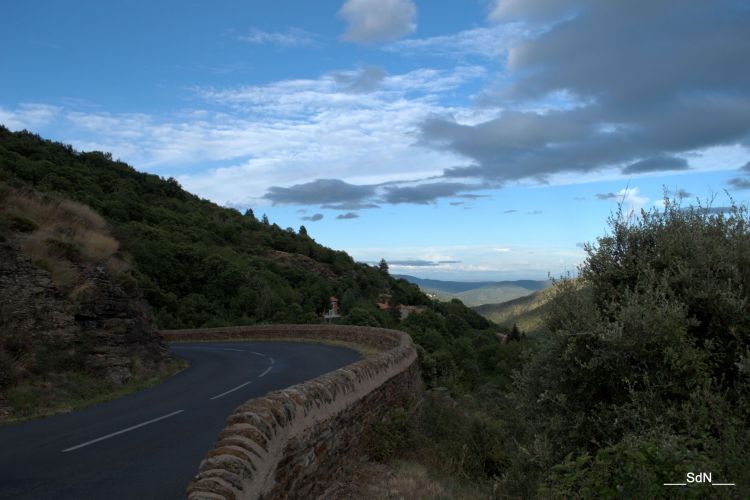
column 230, row 390
column 228, row 349
column 272, row 361
column 265, row 372
column 121, row 432
column 723, row 484
column 258, row 353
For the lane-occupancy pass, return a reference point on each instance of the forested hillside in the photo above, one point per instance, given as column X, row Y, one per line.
column 200, row 264
column 526, row 312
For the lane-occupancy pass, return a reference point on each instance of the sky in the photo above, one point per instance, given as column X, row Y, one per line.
column 459, row 139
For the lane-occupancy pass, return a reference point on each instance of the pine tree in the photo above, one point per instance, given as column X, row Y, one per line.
column 515, row 333
column 383, row 266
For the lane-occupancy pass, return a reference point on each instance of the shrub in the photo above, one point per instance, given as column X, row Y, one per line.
column 645, row 357
column 463, row 441
column 392, row 436
column 360, row 316
column 636, row 467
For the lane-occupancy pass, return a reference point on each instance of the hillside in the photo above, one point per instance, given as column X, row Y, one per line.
column 199, row 264
column 72, row 323
column 477, row 293
column 526, row 312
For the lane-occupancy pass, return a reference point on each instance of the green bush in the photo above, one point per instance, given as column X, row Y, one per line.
column 360, row 316
column 391, row 437
column 636, row 467
column 463, row 441
column 643, row 372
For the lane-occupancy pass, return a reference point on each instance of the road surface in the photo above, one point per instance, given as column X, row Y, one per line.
column 147, row 445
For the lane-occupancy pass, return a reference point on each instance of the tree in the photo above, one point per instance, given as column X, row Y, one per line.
column 265, row 219
column 383, row 266
column 302, row 231
column 515, row 333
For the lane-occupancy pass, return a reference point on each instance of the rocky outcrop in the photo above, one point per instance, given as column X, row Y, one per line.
column 86, row 322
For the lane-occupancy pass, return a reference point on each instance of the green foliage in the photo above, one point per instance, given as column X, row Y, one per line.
column 642, row 377
column 462, row 441
column 361, row 317
column 515, row 333
column 77, row 388
column 383, row 266
column 197, row 264
column 391, row 437
column 636, row 467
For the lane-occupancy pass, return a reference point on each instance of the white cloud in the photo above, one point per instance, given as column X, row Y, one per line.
column 29, row 116
column 243, row 140
column 292, row 37
column 374, row 21
column 491, row 43
column 629, row 198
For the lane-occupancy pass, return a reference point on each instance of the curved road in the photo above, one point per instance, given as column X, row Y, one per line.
column 147, row 445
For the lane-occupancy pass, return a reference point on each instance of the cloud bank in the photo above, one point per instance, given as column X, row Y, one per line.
column 628, row 85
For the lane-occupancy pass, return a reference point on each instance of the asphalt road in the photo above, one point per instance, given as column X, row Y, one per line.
column 148, row 445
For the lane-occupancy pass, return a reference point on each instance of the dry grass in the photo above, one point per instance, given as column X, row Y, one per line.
column 81, row 215
column 97, row 245
column 63, row 234
column 64, row 274
column 413, row 481
column 400, row 480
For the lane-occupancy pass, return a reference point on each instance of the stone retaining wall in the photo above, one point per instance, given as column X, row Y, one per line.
column 292, row 443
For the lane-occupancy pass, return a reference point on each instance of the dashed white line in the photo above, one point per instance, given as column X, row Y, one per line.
column 142, row 424
column 265, row 372
column 258, row 353
column 230, row 390
column 272, row 361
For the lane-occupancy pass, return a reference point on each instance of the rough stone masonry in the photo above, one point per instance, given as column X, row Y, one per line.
column 292, row 443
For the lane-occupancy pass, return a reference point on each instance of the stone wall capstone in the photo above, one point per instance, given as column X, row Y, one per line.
column 293, row 442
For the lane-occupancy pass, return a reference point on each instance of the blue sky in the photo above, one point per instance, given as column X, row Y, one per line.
column 471, row 139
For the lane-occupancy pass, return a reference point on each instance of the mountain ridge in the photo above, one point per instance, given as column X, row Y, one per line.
column 477, row 293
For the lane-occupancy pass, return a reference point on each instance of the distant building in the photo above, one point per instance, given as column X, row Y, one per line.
column 332, row 313
column 384, row 301
column 407, row 311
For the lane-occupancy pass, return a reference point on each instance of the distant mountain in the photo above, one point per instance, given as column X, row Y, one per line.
column 476, row 293
column 526, row 312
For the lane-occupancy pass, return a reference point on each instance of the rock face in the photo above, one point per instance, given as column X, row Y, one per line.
column 91, row 325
